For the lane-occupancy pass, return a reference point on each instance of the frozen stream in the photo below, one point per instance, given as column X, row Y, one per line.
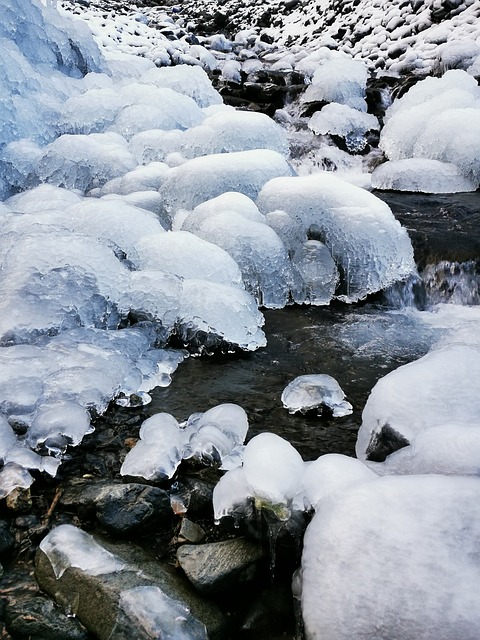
column 356, row 344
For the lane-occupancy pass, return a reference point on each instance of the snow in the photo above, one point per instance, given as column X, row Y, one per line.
column 315, row 391
column 394, row 556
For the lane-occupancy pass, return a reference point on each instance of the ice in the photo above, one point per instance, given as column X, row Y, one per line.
column 342, row 120
column 257, row 250
column 189, row 80
column 142, row 178
column 214, row 315
column 207, row 177
column 420, row 396
column 406, row 549
column 318, row 274
column 43, row 198
column 437, row 119
column 183, row 254
column 57, row 424
column 13, row 476
column 8, row 439
column 159, row 615
column 290, row 230
column 338, row 78
column 228, row 201
column 369, row 246
column 273, row 471
column 217, row 432
column 316, row 391
column 158, row 453
column 149, row 200
column 90, row 112
column 84, row 161
column 231, row 494
column 68, row 546
column 328, row 475
column 421, row 174
column 151, row 107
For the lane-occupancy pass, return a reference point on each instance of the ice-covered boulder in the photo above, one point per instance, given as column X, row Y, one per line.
column 421, row 174
column 207, row 177
column 188, row 80
column 341, row 120
column 394, row 557
column 369, row 246
column 316, row 391
column 438, row 118
column 420, row 396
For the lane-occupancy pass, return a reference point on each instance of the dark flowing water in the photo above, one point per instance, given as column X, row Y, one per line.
column 356, row 345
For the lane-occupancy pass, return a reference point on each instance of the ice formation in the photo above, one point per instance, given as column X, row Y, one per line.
column 404, row 548
column 316, row 391
column 421, row 174
column 68, row 546
column 163, row 443
column 367, row 243
column 438, row 119
column 318, row 273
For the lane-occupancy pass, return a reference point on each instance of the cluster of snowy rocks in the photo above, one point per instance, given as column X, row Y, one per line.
column 140, row 213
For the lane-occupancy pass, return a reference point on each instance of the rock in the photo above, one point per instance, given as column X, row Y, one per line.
column 190, row 532
column 216, row 566
column 121, row 508
column 192, row 495
column 19, row 500
column 110, row 603
column 271, row 612
column 7, row 540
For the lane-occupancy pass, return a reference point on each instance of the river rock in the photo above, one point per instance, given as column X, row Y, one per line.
column 7, row 540
column 113, row 604
column 190, row 532
column 213, row 567
column 121, row 508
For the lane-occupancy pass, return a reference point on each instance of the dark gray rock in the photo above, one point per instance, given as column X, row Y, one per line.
column 7, row 540
column 95, row 599
column 190, row 532
column 213, row 567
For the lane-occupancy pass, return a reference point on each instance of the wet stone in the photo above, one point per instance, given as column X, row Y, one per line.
column 190, row 532
column 7, row 540
column 213, row 567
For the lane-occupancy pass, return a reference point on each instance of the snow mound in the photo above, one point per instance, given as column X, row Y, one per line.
column 420, row 175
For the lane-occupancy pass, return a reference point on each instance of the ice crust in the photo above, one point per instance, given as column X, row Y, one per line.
column 365, row 240
column 420, row 174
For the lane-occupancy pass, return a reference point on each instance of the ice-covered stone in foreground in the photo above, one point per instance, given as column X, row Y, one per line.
column 67, row 546
column 315, row 391
column 368, row 244
column 421, row 174
column 341, row 120
column 394, row 557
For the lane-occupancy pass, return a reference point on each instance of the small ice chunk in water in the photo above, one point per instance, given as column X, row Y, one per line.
column 315, row 391
column 68, row 546
column 158, row 453
column 159, row 615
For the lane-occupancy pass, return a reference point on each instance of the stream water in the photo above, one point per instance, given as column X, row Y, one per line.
column 356, row 344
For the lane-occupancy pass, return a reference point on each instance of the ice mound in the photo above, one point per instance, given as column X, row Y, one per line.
column 418, row 397
column 405, row 546
column 191, row 81
column 84, row 161
column 149, row 177
column 209, row 437
column 315, row 391
column 343, row 121
column 207, row 177
column 337, row 78
column 257, row 250
column 159, row 451
column 438, row 118
column 90, row 112
column 420, row 174
column 370, row 248
column 271, row 474
column 183, row 254
column 216, row 433
column 214, row 315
